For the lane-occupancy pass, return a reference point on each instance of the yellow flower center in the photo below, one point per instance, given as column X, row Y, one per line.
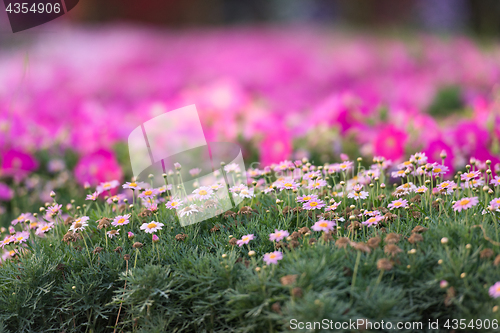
column 400, row 172
column 371, row 219
column 174, row 203
column 272, row 256
column 107, row 185
column 12, row 252
column 397, row 203
column 120, row 221
column 445, row 185
column 19, row 238
column 437, row 170
column 288, row 185
column 323, row 224
column 306, row 198
column 464, row 202
column 133, row 184
column 244, row 239
column 45, row 228
column 151, row 225
column 202, row 192
column 148, row 192
column 313, row 203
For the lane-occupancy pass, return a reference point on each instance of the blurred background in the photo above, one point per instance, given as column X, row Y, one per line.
column 285, row 79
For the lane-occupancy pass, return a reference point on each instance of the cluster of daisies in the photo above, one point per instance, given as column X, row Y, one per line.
column 324, row 192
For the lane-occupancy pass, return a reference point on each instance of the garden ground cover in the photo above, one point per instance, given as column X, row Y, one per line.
column 336, row 242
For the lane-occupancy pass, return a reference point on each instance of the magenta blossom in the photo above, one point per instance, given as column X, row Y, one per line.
column 98, row 167
column 494, row 290
column 17, row 164
column 390, row 142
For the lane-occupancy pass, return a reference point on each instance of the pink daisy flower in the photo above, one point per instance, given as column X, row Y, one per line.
column 323, row 225
column 148, row 194
column 446, row 187
column 344, row 166
column 119, row 198
column 371, row 213
column 53, row 210
column 121, row 220
column 273, row 257
column 318, row 183
column 278, row 235
column 216, row 187
column 313, row 204
column 333, row 206
column 245, row 240
column 7, row 240
column 398, row 173
column 496, row 181
column 419, row 158
column 22, row 218
column 151, row 227
column 43, row 228
column 400, row 203
column 135, row 185
column 112, row 233
column 92, row 196
column 470, row 175
column 237, row 188
column 107, row 186
column 465, row 203
column 357, row 195
column 439, row 169
column 374, row 220
column 173, row 204
column 421, row 189
column 494, row 290
column 203, row 193
column 472, row 183
column 21, row 237
column 495, row 203
column 405, row 165
column 306, row 198
column 79, row 224
column 246, row 193
column 287, row 185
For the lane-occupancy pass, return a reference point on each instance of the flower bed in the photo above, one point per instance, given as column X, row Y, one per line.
column 335, row 242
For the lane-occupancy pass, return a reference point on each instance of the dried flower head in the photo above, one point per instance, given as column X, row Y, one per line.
column 384, row 264
column 392, row 249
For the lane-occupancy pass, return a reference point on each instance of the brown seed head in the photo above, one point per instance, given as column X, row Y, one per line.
column 392, row 249
column 419, row 229
column 137, row 245
column 297, row 292
column 384, row 264
column 342, row 242
column 486, row 254
column 288, row 279
column 373, row 242
column 415, row 238
column 392, row 238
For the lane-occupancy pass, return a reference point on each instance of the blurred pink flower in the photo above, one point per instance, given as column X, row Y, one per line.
column 98, row 167
column 6, row 192
column 390, row 143
column 276, row 145
column 17, row 164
